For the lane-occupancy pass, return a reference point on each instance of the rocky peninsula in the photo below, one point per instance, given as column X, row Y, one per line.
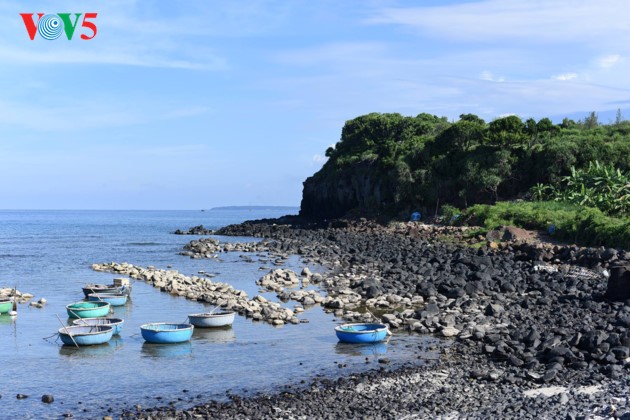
column 537, row 330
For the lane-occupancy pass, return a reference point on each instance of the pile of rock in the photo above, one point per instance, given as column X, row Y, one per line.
column 196, row 230
column 276, row 280
column 204, row 290
column 518, row 303
column 20, row 297
column 210, row 247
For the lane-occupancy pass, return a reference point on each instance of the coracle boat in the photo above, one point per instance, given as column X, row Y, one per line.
column 6, row 305
column 105, row 288
column 361, row 333
column 87, row 335
column 164, row 332
column 113, row 299
column 212, row 319
column 116, row 323
column 88, row 309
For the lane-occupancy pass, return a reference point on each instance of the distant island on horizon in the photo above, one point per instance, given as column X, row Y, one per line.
column 253, row 207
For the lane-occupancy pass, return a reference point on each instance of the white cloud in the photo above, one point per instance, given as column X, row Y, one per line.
column 608, row 61
column 565, row 76
column 539, row 21
column 486, row 75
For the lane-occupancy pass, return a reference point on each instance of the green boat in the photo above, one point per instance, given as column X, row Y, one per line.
column 88, row 309
column 6, row 305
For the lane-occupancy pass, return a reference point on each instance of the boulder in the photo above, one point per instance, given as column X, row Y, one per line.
column 618, row 289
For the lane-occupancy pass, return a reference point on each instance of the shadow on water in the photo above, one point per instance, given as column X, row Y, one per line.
column 167, row 350
column 100, row 350
column 6, row 319
column 214, row 335
column 351, row 349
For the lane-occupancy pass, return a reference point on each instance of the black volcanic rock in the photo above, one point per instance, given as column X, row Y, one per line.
column 619, row 282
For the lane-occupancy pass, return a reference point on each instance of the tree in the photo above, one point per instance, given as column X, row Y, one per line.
column 545, row 124
column 461, row 136
column 591, row 121
column 472, row 118
column 507, row 131
column 567, row 123
column 618, row 117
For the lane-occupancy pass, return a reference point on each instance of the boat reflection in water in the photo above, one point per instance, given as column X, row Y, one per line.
column 100, row 350
column 214, row 335
column 167, row 350
column 368, row 349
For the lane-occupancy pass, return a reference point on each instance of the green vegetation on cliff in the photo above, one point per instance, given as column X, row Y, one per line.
column 388, row 163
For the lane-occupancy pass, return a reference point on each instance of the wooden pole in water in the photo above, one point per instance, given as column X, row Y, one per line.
column 66, row 330
column 14, row 301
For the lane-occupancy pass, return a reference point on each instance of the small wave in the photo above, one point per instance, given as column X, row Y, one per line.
column 17, row 256
column 144, row 243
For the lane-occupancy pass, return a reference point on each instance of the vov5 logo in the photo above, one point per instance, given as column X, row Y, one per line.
column 51, row 26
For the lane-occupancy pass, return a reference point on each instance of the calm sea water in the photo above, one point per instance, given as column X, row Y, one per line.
column 49, row 253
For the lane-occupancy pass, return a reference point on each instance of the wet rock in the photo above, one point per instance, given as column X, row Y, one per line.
column 48, row 398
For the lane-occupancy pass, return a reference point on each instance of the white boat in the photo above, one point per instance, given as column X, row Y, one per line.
column 212, row 319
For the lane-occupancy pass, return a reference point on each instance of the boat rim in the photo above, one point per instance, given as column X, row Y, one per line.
column 212, row 315
column 98, row 304
column 148, row 326
column 380, row 328
column 104, row 329
column 107, row 295
column 114, row 321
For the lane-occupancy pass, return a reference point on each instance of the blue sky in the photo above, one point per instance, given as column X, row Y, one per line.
column 190, row 104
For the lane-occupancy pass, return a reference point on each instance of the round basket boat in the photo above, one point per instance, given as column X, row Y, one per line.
column 361, row 333
column 116, row 323
column 100, row 288
column 164, row 332
column 114, row 299
column 88, row 309
column 86, row 335
column 212, row 319
column 6, row 305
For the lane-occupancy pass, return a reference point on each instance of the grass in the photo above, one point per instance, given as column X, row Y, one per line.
column 581, row 225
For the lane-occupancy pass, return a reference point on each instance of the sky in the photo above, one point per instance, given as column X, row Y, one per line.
column 191, row 104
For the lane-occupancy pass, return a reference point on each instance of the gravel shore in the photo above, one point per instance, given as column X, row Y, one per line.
column 536, row 332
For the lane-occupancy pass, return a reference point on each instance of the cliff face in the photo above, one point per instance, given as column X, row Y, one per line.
column 332, row 193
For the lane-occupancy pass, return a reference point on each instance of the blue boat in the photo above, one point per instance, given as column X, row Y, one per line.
column 114, row 299
column 361, row 333
column 116, row 323
column 88, row 309
column 164, row 332
column 86, row 335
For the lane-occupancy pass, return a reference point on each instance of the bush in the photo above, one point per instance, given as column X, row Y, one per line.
column 450, row 214
column 581, row 225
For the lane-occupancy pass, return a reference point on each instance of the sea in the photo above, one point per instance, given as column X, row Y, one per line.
column 49, row 254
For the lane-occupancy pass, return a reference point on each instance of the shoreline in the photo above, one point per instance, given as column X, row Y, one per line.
column 513, row 331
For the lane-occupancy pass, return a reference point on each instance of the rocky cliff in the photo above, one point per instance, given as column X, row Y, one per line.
column 332, row 193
